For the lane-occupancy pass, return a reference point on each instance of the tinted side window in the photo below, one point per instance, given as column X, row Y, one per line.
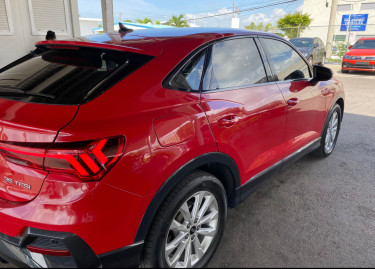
column 234, row 63
column 285, row 62
column 189, row 77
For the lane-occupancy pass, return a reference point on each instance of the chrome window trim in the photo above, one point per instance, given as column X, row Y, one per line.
column 239, row 88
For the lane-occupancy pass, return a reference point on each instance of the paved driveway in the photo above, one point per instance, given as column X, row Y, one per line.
column 318, row 213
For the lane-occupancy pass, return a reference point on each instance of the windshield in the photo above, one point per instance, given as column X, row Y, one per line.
column 67, row 76
column 302, row 42
column 364, row 44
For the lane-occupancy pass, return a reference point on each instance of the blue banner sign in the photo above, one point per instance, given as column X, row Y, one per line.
column 358, row 22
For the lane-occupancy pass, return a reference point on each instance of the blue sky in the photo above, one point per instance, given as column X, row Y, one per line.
column 163, row 9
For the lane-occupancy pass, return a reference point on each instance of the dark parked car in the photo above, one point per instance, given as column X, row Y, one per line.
column 312, row 48
column 120, row 151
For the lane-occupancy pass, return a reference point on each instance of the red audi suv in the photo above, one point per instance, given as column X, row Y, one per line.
column 127, row 150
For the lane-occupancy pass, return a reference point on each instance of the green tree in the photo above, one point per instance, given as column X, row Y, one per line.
column 341, row 48
column 157, row 22
column 145, row 20
column 252, row 26
column 259, row 27
column 178, row 21
column 268, row 27
column 293, row 22
column 128, row 21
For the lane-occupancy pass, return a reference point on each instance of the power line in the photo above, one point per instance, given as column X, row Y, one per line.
column 247, row 9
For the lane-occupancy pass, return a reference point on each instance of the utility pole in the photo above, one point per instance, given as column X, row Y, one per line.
column 331, row 28
column 349, row 29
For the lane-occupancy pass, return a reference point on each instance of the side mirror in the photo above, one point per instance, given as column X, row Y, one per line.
column 315, row 45
column 322, row 73
column 350, row 47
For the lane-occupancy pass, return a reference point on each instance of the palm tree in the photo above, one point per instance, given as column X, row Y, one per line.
column 178, row 21
column 145, row 20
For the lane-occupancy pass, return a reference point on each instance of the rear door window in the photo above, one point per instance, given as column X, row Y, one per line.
column 234, row 64
column 68, row 76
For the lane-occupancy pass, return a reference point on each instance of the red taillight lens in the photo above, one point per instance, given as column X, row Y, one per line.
column 30, row 157
column 89, row 162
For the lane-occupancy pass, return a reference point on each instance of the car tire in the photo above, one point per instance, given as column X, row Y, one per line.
column 344, row 71
column 172, row 231
column 330, row 132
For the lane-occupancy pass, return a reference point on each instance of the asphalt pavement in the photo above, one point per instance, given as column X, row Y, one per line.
column 319, row 212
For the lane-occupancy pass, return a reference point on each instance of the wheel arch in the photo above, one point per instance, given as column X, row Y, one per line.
column 220, row 165
column 340, row 102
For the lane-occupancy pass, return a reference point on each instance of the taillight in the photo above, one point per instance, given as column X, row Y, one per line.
column 88, row 162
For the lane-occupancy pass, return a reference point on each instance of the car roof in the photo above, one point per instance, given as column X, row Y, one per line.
column 148, row 41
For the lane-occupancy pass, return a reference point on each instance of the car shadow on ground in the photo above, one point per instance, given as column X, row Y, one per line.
column 317, row 213
column 359, row 73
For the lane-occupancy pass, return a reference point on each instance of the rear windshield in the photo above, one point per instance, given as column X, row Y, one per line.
column 68, row 76
column 365, row 44
column 302, row 42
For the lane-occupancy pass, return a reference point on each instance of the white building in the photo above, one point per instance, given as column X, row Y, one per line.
column 88, row 24
column 360, row 12
column 25, row 22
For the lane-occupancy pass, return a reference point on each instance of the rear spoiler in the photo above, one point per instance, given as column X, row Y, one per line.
column 141, row 45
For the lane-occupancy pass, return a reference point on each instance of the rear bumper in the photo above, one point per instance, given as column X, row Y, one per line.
column 14, row 251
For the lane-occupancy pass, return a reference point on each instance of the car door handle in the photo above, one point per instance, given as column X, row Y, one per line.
column 228, row 121
column 292, row 102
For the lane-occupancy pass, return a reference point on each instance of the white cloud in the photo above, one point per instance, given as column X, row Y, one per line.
column 257, row 18
column 222, row 21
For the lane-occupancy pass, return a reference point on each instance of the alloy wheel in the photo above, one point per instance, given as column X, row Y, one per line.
column 331, row 134
column 192, row 230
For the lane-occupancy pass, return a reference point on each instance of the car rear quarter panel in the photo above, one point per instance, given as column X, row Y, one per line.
column 131, row 108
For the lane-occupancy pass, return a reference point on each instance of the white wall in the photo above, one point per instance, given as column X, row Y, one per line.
column 22, row 40
column 87, row 24
column 320, row 15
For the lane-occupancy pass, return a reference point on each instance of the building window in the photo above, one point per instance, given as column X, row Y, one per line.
column 345, row 7
column 6, row 23
column 49, row 15
column 339, row 37
column 365, row 6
